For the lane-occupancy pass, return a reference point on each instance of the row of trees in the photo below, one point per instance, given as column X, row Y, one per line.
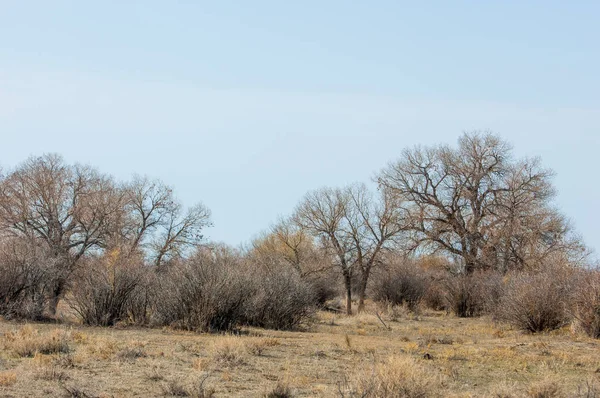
column 74, row 212
column 473, row 205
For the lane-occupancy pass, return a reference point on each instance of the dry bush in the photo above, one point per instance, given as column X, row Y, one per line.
column 27, row 274
column 280, row 391
column 26, row 342
column 398, row 377
column 474, row 294
column 281, row 300
column 105, row 289
column 585, row 302
column 325, row 287
column 402, row 283
column 536, row 302
column 206, row 293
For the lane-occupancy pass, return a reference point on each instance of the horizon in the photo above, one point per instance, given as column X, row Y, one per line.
column 248, row 108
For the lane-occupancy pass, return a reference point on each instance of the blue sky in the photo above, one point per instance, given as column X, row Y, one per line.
column 245, row 106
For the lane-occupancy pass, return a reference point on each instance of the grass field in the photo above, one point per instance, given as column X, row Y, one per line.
column 399, row 355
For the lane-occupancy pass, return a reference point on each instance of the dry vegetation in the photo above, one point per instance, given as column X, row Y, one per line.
column 426, row 355
column 457, row 277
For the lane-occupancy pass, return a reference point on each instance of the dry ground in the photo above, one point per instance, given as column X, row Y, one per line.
column 433, row 354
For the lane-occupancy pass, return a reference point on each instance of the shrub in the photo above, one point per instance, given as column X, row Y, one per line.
column 281, row 300
column 403, row 283
column 536, row 302
column 280, row 391
column 27, row 273
column 585, row 302
column 205, row 293
column 324, row 287
column 105, row 288
column 474, row 294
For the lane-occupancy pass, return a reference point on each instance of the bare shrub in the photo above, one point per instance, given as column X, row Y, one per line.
column 280, row 391
column 27, row 275
column 403, row 283
column 206, row 293
column 142, row 304
column 281, row 300
column 585, row 302
column 325, row 287
column 474, row 294
column 536, row 302
column 105, row 289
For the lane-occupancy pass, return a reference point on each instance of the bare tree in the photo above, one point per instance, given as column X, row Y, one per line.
column 67, row 208
column 353, row 227
column 477, row 203
column 157, row 224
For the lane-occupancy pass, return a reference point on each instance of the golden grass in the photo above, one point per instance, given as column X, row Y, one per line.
column 27, row 341
column 432, row 355
column 7, row 379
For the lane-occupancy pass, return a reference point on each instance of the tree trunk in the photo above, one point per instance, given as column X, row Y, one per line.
column 55, row 296
column 348, row 284
column 362, row 293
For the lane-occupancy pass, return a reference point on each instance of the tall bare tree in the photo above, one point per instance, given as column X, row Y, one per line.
column 477, row 203
column 353, row 227
column 67, row 208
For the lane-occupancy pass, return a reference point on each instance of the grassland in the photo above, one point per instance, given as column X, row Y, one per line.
column 401, row 354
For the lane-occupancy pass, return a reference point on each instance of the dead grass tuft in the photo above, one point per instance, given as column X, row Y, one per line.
column 131, row 353
column 258, row 346
column 397, row 377
column 27, row 341
column 7, row 379
column 229, row 351
column 178, row 388
column 545, row 389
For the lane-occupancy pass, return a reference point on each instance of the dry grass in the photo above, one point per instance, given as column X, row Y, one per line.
column 396, row 377
column 7, row 379
column 432, row 354
column 28, row 341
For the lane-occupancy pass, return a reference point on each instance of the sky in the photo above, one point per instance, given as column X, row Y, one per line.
column 246, row 106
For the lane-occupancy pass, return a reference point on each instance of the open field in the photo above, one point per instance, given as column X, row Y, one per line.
column 433, row 354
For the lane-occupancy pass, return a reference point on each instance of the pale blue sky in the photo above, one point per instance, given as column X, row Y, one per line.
column 248, row 105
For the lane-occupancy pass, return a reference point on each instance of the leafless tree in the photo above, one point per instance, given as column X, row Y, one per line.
column 354, row 227
column 157, row 224
column 478, row 204
column 68, row 208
